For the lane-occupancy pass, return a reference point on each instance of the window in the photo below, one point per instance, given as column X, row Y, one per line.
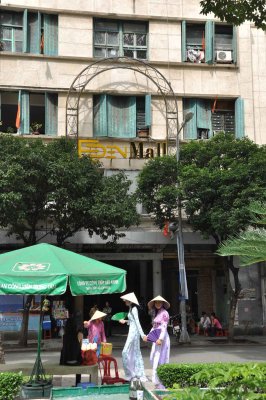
column 212, row 116
column 29, row 32
column 120, row 116
column 35, row 109
column 11, row 31
column 208, row 43
column 118, row 38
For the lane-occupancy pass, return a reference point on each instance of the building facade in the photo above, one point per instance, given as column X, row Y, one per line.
column 216, row 71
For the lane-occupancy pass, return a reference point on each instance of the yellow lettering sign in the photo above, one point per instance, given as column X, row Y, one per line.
column 135, row 150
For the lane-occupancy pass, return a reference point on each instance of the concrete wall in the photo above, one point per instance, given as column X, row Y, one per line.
column 199, row 80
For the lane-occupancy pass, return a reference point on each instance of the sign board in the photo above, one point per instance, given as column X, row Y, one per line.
column 110, row 149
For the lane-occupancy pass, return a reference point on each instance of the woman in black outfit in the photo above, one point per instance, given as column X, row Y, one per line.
column 71, row 350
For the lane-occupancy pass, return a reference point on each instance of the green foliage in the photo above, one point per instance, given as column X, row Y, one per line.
column 157, row 188
column 179, row 374
column 236, row 12
column 219, row 178
column 224, row 382
column 10, row 385
column 250, row 245
column 48, row 183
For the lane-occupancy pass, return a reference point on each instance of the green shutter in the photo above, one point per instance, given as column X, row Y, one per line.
column 50, row 34
column 100, row 115
column 34, row 32
column 121, row 111
column 148, row 110
column 51, row 106
column 209, row 42
column 203, row 114
column 25, row 113
column 0, row 107
column 190, row 128
column 239, row 118
column 234, row 44
column 25, row 31
column 184, row 41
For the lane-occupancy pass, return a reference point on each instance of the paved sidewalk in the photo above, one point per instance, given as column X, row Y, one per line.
column 118, row 341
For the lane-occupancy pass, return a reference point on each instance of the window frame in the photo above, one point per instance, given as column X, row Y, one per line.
column 13, row 27
column 35, row 25
column 121, row 31
column 209, row 41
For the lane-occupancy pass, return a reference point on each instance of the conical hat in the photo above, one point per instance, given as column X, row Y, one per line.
column 98, row 314
column 159, row 298
column 130, row 297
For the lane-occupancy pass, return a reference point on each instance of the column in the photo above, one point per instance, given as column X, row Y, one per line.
column 157, row 277
column 143, row 278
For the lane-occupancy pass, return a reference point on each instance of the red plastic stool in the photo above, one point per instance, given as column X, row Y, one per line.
column 105, row 364
column 47, row 334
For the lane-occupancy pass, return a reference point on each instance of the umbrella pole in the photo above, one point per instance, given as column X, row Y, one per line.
column 38, row 372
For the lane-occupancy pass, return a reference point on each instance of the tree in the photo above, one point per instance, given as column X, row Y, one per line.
column 249, row 245
column 218, row 178
column 237, row 11
column 42, row 183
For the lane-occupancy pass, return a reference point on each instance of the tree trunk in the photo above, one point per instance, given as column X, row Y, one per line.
column 234, row 296
column 23, row 337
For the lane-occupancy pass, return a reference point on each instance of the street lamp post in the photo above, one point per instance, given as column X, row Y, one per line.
column 184, row 336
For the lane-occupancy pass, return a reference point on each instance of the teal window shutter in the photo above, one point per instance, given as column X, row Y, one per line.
column 190, row 129
column 209, row 42
column 234, row 43
column 204, row 114
column 50, row 34
column 121, row 111
column 184, row 41
column 148, row 110
column 34, row 32
column 51, row 107
column 239, row 118
column 25, row 113
column 100, row 115
column 25, row 31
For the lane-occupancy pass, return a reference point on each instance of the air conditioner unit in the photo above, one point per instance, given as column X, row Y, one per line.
column 224, row 56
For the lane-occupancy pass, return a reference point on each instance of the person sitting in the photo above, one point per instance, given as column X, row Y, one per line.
column 215, row 325
column 204, row 323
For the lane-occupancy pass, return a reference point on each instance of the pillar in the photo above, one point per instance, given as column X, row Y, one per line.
column 157, row 277
column 143, row 278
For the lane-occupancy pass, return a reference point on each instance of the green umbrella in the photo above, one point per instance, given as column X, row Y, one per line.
column 46, row 269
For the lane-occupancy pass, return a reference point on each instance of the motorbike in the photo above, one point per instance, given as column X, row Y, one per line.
column 174, row 326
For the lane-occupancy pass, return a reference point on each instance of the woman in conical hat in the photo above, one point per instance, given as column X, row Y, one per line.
column 160, row 351
column 131, row 354
column 96, row 328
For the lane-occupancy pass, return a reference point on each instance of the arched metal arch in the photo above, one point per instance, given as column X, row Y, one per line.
column 106, row 64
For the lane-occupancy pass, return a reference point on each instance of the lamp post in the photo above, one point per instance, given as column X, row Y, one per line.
column 184, row 336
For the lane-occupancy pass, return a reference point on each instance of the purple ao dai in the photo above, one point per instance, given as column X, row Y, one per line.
column 160, row 353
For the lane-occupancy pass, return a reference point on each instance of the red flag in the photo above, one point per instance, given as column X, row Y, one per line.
column 42, row 43
column 18, row 113
column 166, row 228
column 214, row 105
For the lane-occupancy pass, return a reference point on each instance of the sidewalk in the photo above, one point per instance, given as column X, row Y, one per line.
column 118, row 341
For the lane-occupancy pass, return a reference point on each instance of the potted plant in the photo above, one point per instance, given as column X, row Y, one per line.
column 35, row 128
column 143, row 132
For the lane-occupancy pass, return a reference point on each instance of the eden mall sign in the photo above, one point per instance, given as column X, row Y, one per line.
column 114, row 149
